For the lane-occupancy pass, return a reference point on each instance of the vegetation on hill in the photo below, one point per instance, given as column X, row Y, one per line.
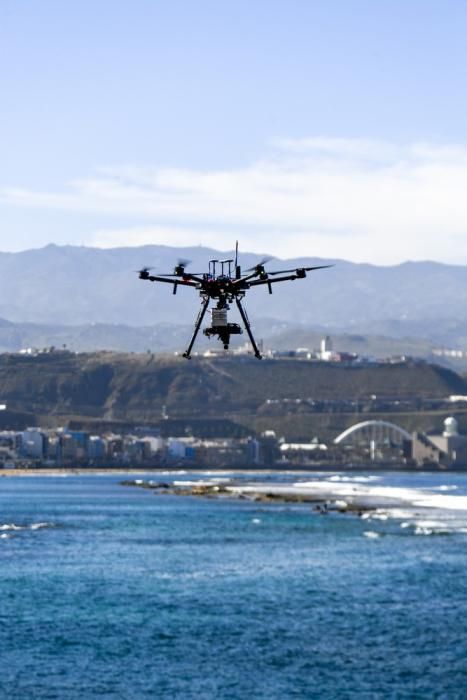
column 144, row 388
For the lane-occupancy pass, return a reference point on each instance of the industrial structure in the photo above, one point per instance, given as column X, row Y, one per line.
column 447, row 449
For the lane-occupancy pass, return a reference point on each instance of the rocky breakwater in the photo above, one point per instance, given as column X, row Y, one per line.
column 393, row 508
column 324, row 496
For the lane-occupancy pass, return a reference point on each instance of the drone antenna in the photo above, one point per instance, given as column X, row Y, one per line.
column 238, row 271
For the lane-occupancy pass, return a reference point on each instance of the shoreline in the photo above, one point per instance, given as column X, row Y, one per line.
column 432, row 510
column 82, row 471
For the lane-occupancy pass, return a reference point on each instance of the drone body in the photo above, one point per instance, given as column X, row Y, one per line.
column 225, row 288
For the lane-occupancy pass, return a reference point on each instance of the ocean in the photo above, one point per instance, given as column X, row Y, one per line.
column 109, row 591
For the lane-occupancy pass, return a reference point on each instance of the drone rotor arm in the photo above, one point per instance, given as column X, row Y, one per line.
column 296, row 274
column 268, row 281
column 187, row 277
column 245, row 279
column 176, row 281
column 295, row 269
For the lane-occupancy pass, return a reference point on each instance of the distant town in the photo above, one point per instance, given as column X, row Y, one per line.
column 371, row 443
column 325, row 353
column 374, row 427
column 36, row 447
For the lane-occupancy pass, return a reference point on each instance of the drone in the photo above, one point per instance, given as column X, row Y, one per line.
column 225, row 284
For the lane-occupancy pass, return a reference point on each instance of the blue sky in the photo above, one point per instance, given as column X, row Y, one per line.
column 333, row 128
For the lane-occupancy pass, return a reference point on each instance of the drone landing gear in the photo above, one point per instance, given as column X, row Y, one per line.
column 221, row 328
column 248, row 328
column 199, row 321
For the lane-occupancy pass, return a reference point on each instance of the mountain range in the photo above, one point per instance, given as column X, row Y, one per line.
column 65, row 292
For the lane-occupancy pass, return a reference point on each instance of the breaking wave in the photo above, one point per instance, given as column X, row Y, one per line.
column 421, row 511
column 7, row 529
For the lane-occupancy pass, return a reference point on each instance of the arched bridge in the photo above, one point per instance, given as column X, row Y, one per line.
column 374, row 432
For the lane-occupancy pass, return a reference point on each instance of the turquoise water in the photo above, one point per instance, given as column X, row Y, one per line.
column 114, row 592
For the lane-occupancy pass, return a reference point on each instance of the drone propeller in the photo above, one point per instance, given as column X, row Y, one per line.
column 259, row 265
column 144, row 272
column 179, row 268
column 307, row 269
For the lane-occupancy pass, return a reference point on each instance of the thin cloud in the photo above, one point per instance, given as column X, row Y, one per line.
column 360, row 199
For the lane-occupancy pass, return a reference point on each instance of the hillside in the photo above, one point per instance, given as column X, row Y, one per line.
column 140, row 388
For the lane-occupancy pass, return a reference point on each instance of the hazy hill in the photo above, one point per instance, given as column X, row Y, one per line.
column 78, row 286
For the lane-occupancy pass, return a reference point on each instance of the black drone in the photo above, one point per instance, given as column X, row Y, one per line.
column 225, row 288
